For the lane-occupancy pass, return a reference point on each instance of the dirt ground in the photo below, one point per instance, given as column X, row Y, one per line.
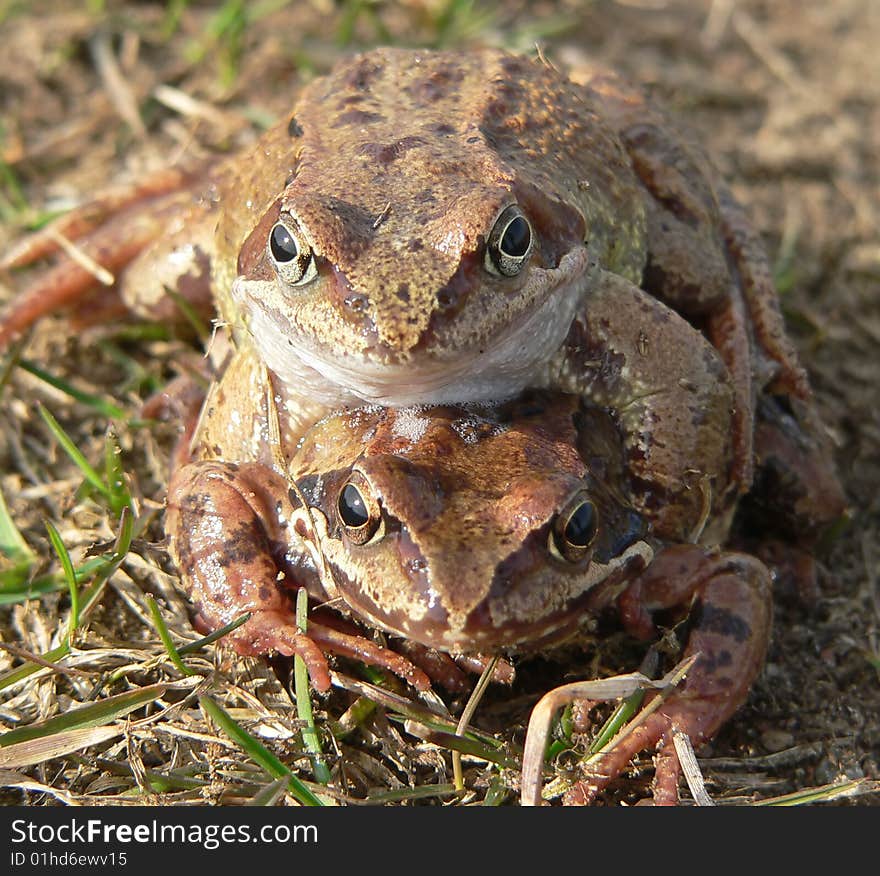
column 786, row 96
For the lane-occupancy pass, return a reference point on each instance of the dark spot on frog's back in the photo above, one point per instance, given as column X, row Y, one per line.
column 360, row 76
column 403, row 292
column 516, row 65
column 193, row 504
column 385, row 153
column 294, row 128
column 441, row 83
column 356, row 117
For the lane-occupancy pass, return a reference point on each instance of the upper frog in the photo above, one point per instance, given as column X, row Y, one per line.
column 429, row 225
column 450, row 227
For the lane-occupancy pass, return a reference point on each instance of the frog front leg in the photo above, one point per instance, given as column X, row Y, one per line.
column 672, row 397
column 729, row 628
column 142, row 240
column 233, row 535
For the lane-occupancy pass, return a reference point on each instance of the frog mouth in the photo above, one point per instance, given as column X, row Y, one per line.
column 493, row 370
column 545, row 610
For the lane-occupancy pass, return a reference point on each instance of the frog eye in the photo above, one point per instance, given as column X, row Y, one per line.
column 574, row 530
column 510, row 243
column 291, row 254
column 359, row 511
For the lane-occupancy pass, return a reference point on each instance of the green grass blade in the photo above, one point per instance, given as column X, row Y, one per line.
column 464, row 744
column 303, row 695
column 104, row 568
column 74, row 453
column 269, row 794
column 398, row 795
column 618, row 718
column 15, row 585
column 93, row 715
column 69, row 577
column 120, row 497
column 258, row 752
column 16, row 557
column 20, row 673
column 99, row 405
column 213, row 637
column 823, row 794
column 12, row 545
column 165, row 636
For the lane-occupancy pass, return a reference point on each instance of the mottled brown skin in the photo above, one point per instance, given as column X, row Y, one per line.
column 232, row 535
column 467, row 501
column 469, row 498
column 394, row 168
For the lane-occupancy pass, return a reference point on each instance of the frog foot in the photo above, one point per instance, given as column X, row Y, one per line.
column 455, row 673
column 656, row 732
column 729, row 626
column 267, row 631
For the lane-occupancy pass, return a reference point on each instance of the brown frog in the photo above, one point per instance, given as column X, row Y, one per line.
column 226, row 520
column 509, row 528
column 435, row 524
column 430, row 227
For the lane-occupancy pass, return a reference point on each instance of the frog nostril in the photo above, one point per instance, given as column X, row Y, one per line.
column 445, row 299
column 294, row 128
column 356, row 303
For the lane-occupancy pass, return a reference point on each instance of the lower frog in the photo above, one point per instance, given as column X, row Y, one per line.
column 479, row 529
column 504, row 530
column 478, row 495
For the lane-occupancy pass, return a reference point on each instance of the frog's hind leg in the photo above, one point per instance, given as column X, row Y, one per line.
column 729, row 628
column 755, row 279
column 136, row 241
column 796, row 493
column 796, row 503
